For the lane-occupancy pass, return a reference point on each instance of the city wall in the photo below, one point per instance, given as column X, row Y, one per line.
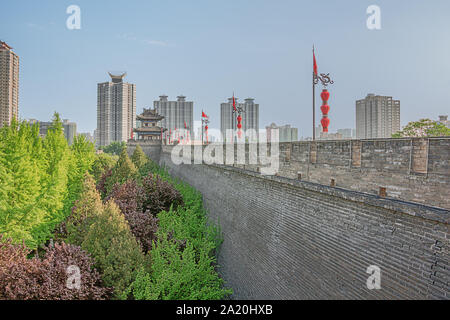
column 416, row 170
column 286, row 238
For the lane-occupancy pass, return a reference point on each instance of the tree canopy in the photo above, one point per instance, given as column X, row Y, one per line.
column 423, row 128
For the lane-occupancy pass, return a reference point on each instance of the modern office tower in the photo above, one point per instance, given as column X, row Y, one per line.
column 116, row 110
column 176, row 114
column 285, row 133
column 250, row 117
column 9, row 84
column 377, row 117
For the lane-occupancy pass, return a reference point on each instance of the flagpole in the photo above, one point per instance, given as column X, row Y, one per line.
column 202, row 126
column 313, row 105
column 314, row 108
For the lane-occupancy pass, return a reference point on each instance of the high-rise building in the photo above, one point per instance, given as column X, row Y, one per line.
column 347, row 133
column 69, row 128
column 116, row 110
column 89, row 137
column 176, row 114
column 377, row 117
column 250, row 117
column 9, row 84
column 285, row 133
column 444, row 120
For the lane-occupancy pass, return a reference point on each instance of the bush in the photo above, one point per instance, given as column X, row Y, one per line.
column 117, row 254
column 184, row 256
column 45, row 279
column 103, row 182
column 129, row 197
column 159, row 194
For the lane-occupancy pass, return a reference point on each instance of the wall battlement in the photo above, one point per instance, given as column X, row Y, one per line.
column 416, row 170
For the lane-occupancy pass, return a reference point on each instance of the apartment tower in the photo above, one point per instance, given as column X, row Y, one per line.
column 9, row 84
column 176, row 114
column 116, row 110
column 377, row 117
column 250, row 116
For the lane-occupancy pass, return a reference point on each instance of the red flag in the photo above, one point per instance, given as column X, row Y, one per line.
column 204, row 115
column 234, row 103
column 314, row 63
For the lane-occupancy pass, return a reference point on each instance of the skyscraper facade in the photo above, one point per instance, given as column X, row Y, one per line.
column 116, row 110
column 250, row 117
column 377, row 117
column 176, row 114
column 9, row 84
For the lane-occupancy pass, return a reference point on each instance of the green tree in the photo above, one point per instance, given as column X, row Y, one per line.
column 57, row 160
column 114, row 148
column 117, row 253
column 423, row 128
column 139, row 158
column 82, row 158
column 20, row 183
column 122, row 172
column 102, row 163
column 83, row 212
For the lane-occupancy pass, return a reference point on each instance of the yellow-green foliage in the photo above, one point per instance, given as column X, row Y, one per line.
column 139, row 158
column 83, row 212
column 102, row 162
column 122, row 171
column 39, row 180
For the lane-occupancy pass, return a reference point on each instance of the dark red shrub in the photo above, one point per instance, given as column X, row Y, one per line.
column 103, row 182
column 144, row 226
column 159, row 195
column 129, row 197
column 46, row 279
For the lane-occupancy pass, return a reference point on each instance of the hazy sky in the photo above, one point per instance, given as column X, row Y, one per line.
column 206, row 49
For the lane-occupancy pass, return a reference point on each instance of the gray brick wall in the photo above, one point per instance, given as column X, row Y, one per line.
column 290, row 239
column 415, row 170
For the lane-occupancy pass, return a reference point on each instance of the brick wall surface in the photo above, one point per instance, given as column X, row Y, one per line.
column 290, row 239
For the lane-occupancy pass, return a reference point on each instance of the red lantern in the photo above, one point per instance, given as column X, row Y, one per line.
column 325, row 108
column 325, row 95
column 239, row 126
column 325, row 123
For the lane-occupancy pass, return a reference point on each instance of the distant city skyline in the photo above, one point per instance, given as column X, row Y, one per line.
column 262, row 49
